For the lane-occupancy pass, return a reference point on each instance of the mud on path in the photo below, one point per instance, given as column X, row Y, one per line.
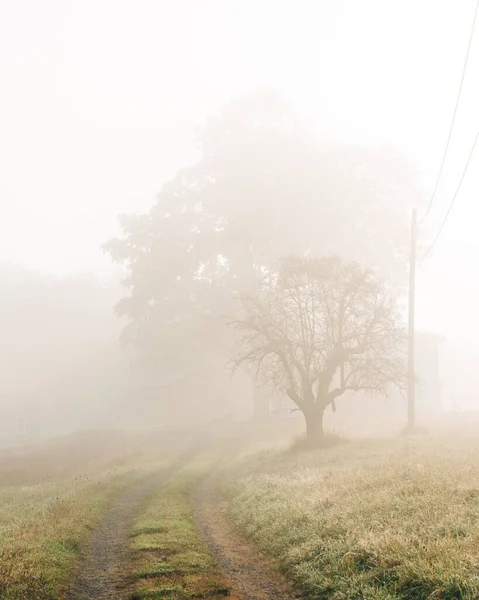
column 104, row 573
column 250, row 575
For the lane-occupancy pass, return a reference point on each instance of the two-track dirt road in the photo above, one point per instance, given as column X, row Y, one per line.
column 104, row 571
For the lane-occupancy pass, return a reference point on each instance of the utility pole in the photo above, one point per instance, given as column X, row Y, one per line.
column 411, row 380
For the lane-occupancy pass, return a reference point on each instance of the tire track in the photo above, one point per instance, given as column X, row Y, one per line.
column 250, row 575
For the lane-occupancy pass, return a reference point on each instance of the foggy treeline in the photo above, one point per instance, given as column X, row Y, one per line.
column 265, row 187
column 58, row 351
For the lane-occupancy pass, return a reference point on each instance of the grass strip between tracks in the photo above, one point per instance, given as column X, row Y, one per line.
column 171, row 559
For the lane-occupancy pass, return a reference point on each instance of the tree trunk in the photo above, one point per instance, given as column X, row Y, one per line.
column 314, row 426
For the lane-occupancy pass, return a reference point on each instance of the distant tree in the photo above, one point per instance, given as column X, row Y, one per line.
column 263, row 188
column 321, row 328
column 59, row 359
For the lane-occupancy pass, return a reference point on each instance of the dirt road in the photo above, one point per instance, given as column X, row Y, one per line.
column 103, row 573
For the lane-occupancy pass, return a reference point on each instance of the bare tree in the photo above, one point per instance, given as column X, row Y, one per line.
column 321, row 328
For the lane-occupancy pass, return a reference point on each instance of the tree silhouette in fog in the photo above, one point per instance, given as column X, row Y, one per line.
column 264, row 187
column 318, row 329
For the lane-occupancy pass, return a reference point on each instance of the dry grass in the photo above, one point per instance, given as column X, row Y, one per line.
column 377, row 521
column 43, row 524
column 171, row 558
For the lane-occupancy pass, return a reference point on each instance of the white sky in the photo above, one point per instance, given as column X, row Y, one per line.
column 99, row 99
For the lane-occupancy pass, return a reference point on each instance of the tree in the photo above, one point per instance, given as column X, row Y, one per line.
column 264, row 187
column 321, row 328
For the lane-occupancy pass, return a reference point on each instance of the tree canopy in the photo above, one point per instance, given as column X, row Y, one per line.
column 264, row 187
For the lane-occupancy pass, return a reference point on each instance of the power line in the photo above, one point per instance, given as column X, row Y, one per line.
column 451, row 128
column 453, row 201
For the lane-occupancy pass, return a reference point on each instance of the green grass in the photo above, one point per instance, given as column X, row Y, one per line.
column 42, row 526
column 171, row 559
column 380, row 521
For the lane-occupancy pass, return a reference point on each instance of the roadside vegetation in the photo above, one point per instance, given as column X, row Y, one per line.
column 171, row 559
column 377, row 520
column 44, row 522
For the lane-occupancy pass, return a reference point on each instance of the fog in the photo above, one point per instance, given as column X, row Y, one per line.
column 265, row 130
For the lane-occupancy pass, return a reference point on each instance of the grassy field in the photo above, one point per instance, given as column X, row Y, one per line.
column 47, row 513
column 376, row 520
column 171, row 558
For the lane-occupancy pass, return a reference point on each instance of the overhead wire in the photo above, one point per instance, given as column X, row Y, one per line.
column 453, row 201
column 451, row 128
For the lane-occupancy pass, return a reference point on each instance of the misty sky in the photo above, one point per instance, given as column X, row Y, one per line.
column 99, row 100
